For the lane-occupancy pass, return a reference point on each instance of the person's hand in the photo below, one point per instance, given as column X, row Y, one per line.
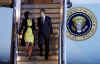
column 20, row 36
column 51, row 32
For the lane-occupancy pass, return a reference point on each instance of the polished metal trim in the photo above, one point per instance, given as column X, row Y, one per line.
column 17, row 12
column 63, row 33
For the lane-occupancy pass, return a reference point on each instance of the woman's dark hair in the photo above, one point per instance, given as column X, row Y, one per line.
column 26, row 13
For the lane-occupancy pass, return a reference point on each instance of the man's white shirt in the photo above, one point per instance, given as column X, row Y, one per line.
column 43, row 19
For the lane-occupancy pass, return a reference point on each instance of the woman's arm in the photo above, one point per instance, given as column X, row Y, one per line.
column 21, row 26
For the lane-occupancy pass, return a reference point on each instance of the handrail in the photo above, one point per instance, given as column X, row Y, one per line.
column 63, row 31
column 12, row 53
column 60, row 46
column 16, row 18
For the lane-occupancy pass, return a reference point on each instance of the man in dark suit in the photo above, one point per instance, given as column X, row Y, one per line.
column 45, row 29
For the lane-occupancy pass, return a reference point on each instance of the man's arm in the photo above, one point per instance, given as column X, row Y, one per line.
column 33, row 24
column 50, row 24
column 38, row 22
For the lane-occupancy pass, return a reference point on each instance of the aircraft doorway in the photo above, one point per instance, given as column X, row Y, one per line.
column 51, row 10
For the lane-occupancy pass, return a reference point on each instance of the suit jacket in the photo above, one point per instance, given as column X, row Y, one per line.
column 45, row 28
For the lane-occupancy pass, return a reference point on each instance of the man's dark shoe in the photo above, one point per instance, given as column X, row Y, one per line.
column 46, row 57
column 30, row 58
column 41, row 54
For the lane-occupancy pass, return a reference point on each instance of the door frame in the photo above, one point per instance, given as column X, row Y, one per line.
column 16, row 5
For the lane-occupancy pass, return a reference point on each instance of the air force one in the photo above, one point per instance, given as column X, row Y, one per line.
column 77, row 49
column 81, row 43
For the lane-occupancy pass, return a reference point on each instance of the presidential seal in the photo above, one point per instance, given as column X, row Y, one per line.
column 81, row 23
